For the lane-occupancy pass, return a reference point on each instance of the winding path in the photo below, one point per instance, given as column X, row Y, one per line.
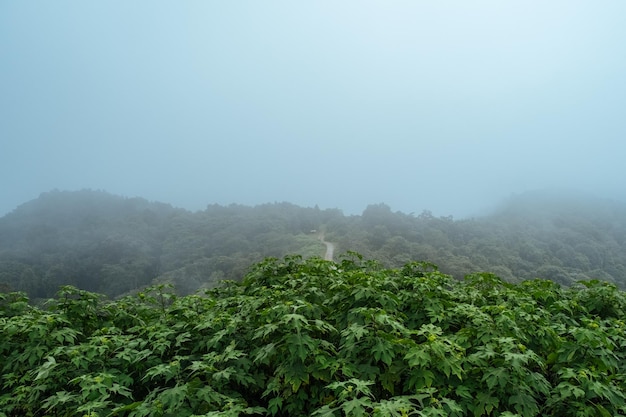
column 330, row 248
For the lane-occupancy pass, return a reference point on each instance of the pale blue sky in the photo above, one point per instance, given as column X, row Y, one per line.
column 448, row 106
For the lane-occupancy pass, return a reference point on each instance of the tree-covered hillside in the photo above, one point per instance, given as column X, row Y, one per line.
column 324, row 339
column 109, row 244
column 113, row 245
column 561, row 237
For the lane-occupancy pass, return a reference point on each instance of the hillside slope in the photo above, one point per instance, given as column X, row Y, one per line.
column 109, row 244
column 112, row 245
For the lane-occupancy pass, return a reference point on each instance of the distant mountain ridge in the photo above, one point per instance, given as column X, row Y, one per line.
column 111, row 244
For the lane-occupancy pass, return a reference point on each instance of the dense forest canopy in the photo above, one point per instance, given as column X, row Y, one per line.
column 112, row 245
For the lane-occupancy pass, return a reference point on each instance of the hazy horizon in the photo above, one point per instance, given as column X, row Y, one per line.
column 449, row 107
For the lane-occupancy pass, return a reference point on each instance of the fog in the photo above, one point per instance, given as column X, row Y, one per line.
column 449, row 106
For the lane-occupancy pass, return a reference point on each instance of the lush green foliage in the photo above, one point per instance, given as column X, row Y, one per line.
column 311, row 337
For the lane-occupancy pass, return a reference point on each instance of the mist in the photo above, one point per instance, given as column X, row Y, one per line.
column 448, row 106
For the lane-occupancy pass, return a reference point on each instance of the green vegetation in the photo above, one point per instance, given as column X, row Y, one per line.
column 564, row 238
column 113, row 245
column 312, row 337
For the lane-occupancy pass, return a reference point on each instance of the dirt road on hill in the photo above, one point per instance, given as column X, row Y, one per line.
column 330, row 248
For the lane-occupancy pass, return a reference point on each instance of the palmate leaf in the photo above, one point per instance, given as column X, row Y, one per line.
column 565, row 390
column 351, row 387
column 66, row 334
column 120, row 390
column 392, row 376
column 323, row 326
column 364, row 371
column 174, row 399
column 353, row 333
column 58, row 398
column 326, row 411
column 484, row 404
column 44, row 370
column 463, row 392
column 516, row 360
column 607, row 391
column 418, row 356
column 224, row 374
column 299, row 345
column 383, row 350
column 450, row 358
column 294, row 320
column 230, row 352
column 265, row 330
column 524, row 404
column 420, row 378
column 274, row 405
column 496, row 377
column 294, row 374
column 451, row 366
column 399, row 406
column 265, row 353
column 452, row 407
column 538, row 383
column 357, row 407
column 162, row 370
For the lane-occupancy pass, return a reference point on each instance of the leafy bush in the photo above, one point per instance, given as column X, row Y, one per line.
column 313, row 337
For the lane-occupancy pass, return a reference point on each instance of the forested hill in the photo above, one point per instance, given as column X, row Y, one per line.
column 562, row 237
column 110, row 244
